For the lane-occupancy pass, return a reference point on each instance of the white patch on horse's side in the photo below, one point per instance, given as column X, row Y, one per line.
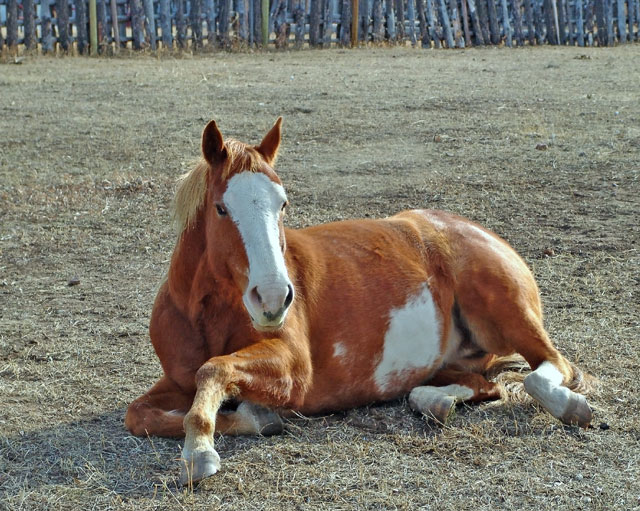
column 254, row 203
column 179, row 413
column 412, row 340
column 339, row 349
column 545, row 385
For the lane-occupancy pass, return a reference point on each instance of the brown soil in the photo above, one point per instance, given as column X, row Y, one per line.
column 89, row 152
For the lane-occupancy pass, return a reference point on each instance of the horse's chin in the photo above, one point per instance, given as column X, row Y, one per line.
column 267, row 328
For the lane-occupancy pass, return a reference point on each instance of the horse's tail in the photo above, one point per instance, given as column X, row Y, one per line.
column 510, row 371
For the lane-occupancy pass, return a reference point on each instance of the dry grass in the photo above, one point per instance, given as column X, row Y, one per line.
column 89, row 152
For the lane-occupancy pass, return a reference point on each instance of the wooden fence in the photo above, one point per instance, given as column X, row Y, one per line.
column 64, row 25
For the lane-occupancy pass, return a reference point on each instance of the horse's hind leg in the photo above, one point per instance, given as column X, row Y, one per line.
column 503, row 324
column 448, row 387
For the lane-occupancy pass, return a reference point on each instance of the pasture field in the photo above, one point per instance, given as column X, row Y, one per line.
column 541, row 145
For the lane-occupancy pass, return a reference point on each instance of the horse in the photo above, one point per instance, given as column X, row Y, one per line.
column 332, row 316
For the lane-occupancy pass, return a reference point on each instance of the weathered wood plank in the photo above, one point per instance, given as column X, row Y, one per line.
column 345, row 23
column 45, row 26
column 298, row 18
column 516, row 9
column 150, row 23
column 12, row 24
column 446, row 23
column 561, row 21
column 137, row 23
column 540, row 22
column 210, row 14
column 104, row 37
column 579, row 23
column 62, row 14
column 425, row 39
column 506, row 24
column 242, row 10
column 314, row 23
column 378, row 22
column 432, row 21
column 549, row 22
column 224, row 17
column 82, row 37
column 28, row 13
column 609, row 16
column 631, row 11
column 601, row 25
column 465, row 22
column 482, row 8
column 400, row 35
column 528, row 17
column 391, row 21
column 494, row 26
column 411, row 13
column 475, row 20
column 455, row 23
column 115, row 26
column 165, row 23
column 327, row 23
column 195, row 18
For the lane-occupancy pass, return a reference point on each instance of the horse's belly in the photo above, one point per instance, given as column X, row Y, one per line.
column 383, row 360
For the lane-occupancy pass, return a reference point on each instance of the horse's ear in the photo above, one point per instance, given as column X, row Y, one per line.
column 270, row 144
column 213, row 148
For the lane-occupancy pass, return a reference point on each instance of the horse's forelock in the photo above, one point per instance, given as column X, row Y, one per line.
column 192, row 186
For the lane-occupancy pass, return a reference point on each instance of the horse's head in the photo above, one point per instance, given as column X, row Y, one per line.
column 245, row 233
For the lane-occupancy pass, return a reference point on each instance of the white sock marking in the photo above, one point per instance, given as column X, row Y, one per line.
column 545, row 385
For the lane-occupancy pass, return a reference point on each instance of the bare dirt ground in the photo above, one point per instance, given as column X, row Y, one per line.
column 89, row 152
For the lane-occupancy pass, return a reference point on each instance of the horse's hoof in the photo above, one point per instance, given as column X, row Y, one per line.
column 432, row 403
column 577, row 411
column 267, row 422
column 198, row 466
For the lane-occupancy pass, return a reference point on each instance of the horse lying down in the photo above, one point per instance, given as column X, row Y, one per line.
column 332, row 316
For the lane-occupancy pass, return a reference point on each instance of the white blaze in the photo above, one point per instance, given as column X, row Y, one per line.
column 412, row 340
column 254, row 203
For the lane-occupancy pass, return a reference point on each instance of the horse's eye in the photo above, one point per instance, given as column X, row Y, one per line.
column 221, row 211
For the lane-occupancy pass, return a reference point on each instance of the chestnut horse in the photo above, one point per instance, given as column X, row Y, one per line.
column 332, row 316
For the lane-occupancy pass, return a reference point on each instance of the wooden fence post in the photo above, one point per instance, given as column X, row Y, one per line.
column 446, row 23
column 150, row 23
column 465, row 22
column 93, row 28
column 561, row 20
column 431, row 21
column 475, row 20
column 12, row 24
column 115, row 27
column 425, row 40
column 28, row 11
column 516, row 8
column 81, row 26
column 391, row 20
column 265, row 21
column 165, row 24
column 579, row 23
column 400, row 21
column 378, row 22
column 137, row 23
column 455, row 22
column 196, row 23
column 181, row 24
column 62, row 13
column 609, row 14
column 328, row 23
column 506, row 24
column 494, row 27
column 528, row 16
column 103, row 31
column 298, row 18
column 631, row 11
column 411, row 12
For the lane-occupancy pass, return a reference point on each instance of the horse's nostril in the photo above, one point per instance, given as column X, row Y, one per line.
column 255, row 296
column 289, row 298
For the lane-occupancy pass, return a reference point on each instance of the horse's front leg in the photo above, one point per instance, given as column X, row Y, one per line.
column 271, row 373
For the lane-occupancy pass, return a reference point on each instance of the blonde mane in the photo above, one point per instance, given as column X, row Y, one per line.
column 191, row 188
